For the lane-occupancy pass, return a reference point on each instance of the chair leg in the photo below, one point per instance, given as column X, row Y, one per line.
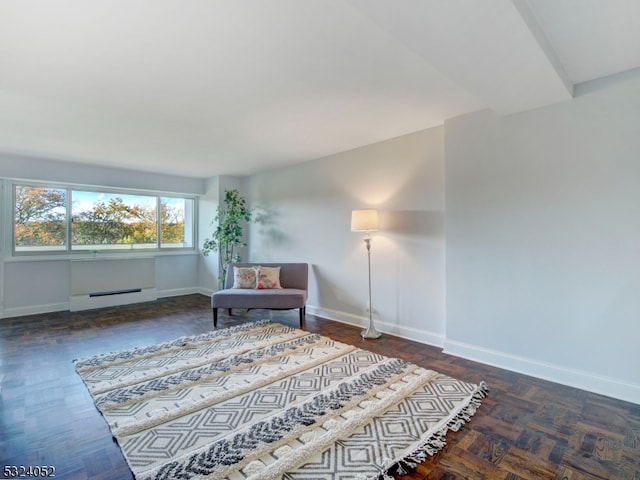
column 230, row 312
column 303, row 312
column 215, row 317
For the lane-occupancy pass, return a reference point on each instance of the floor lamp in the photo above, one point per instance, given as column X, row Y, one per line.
column 367, row 221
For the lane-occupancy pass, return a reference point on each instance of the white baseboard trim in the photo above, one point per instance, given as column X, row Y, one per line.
column 35, row 309
column 178, row 292
column 590, row 382
column 204, row 291
column 410, row 333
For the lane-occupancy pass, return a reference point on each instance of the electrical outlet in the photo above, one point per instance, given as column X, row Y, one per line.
column 367, row 307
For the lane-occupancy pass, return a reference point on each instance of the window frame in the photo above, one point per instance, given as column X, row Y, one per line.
column 191, row 221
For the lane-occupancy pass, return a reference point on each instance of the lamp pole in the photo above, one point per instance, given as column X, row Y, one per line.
column 370, row 331
column 367, row 221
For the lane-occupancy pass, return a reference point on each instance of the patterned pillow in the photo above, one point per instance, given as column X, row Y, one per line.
column 268, row 277
column 244, row 277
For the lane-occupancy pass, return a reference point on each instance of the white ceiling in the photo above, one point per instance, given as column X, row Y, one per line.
column 230, row 87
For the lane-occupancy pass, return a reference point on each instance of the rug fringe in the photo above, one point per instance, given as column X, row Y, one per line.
column 437, row 441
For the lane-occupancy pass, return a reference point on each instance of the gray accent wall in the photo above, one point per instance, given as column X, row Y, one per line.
column 543, row 239
column 305, row 213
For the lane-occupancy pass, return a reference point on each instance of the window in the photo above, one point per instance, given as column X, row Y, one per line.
column 175, row 232
column 40, row 219
column 48, row 219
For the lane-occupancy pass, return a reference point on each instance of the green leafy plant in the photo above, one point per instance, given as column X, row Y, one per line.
column 228, row 234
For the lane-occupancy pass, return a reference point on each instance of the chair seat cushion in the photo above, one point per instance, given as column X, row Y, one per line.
column 275, row 298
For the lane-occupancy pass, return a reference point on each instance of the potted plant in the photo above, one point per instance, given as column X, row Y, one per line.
column 228, row 235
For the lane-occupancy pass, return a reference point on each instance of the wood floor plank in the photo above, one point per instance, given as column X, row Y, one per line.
column 527, row 428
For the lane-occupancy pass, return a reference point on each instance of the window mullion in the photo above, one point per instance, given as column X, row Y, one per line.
column 69, row 219
column 158, row 223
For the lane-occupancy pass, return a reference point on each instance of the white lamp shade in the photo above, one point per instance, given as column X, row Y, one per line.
column 364, row 220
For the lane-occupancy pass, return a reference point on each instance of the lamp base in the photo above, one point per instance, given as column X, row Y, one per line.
column 370, row 332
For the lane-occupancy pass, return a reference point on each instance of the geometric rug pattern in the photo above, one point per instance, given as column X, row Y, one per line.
column 263, row 400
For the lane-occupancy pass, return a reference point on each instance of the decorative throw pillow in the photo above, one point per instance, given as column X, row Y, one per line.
column 244, row 277
column 268, row 277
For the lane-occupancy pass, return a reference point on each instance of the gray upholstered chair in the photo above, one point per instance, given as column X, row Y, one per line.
column 294, row 278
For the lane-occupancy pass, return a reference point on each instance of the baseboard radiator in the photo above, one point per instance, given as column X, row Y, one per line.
column 99, row 283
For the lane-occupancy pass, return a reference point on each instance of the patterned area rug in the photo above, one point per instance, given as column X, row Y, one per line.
column 263, row 401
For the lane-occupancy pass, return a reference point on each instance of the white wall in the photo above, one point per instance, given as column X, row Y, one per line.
column 209, row 202
column 543, row 239
column 306, row 211
column 36, row 287
column 208, row 266
column 32, row 168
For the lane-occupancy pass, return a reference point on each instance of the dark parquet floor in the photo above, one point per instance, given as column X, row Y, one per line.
column 526, row 429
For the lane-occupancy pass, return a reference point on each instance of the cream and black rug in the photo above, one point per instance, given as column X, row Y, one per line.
column 263, row 401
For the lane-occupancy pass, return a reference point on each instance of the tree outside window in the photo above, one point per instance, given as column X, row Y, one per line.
column 40, row 217
column 100, row 219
